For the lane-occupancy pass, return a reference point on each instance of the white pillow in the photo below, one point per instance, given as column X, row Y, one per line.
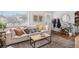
column 13, row 32
column 8, row 31
column 46, row 27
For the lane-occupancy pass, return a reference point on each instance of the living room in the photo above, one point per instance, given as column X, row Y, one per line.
column 46, row 29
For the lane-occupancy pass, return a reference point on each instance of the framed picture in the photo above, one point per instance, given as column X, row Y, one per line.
column 37, row 18
column 40, row 19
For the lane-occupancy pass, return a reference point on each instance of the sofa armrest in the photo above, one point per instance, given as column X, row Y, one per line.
column 8, row 36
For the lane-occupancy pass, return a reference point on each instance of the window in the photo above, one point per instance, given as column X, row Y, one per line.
column 14, row 18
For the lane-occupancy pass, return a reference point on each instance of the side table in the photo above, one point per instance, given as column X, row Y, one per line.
column 2, row 39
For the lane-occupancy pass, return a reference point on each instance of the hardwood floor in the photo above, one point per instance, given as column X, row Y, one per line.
column 64, row 35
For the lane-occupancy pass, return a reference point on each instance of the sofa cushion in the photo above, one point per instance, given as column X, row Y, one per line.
column 18, row 37
column 18, row 31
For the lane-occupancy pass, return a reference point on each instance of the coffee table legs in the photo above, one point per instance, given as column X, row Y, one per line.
column 33, row 43
column 50, row 39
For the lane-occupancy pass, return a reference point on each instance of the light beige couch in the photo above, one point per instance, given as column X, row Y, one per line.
column 11, row 38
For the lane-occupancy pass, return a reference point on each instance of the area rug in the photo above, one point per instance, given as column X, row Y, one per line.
column 57, row 42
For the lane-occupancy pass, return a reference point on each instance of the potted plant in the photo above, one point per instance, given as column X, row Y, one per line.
column 2, row 26
column 70, row 29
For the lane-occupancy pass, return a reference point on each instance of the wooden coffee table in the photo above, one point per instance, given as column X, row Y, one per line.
column 38, row 37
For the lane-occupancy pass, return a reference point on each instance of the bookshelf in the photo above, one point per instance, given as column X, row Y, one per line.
column 77, row 18
column 77, row 22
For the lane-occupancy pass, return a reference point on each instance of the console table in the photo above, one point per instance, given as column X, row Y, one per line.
column 2, row 39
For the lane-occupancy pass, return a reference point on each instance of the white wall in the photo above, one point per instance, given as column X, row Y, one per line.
column 59, row 14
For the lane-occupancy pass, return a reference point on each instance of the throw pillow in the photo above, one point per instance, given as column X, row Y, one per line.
column 18, row 31
column 41, row 27
column 46, row 27
column 12, row 31
column 27, row 31
column 34, row 30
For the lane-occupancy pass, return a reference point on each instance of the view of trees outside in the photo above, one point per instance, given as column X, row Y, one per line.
column 14, row 18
